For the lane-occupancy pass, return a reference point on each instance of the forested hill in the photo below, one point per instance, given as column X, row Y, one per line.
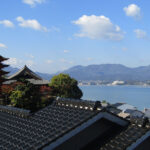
column 107, row 72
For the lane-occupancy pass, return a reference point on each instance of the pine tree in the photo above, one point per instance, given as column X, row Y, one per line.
column 65, row 86
column 2, row 72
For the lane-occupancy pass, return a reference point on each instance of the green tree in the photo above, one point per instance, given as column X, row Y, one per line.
column 26, row 96
column 65, row 86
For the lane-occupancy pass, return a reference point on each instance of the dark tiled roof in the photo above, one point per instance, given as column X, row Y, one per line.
column 9, row 81
column 113, row 110
column 38, row 82
column 24, row 71
column 76, row 103
column 43, row 127
column 47, row 126
column 33, row 81
column 15, row 111
column 127, row 137
column 3, row 58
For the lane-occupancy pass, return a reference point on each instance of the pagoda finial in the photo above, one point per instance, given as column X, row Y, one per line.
column 25, row 66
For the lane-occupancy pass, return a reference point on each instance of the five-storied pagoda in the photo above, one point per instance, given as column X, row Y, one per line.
column 2, row 72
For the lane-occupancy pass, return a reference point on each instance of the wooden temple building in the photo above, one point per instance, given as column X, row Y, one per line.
column 26, row 73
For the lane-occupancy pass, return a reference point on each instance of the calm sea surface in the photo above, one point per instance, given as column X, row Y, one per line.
column 135, row 95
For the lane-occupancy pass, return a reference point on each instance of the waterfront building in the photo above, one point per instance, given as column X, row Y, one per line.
column 118, row 82
column 125, row 110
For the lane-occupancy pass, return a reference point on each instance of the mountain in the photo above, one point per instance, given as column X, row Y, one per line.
column 107, row 72
column 45, row 76
column 11, row 70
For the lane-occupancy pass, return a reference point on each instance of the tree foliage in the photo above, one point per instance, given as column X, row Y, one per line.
column 26, row 96
column 6, row 89
column 65, row 86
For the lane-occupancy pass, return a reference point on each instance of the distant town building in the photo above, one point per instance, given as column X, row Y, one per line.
column 127, row 110
column 124, row 107
column 118, row 82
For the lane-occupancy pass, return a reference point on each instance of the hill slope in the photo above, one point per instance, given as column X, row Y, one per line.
column 107, row 72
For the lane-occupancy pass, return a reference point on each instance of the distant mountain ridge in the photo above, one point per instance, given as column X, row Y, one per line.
column 107, row 72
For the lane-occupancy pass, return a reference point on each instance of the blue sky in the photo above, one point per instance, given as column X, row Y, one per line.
column 53, row 35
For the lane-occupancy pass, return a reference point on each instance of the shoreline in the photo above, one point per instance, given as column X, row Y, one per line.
column 136, row 95
column 142, row 86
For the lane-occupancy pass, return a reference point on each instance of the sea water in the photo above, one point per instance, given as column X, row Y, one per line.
column 138, row 96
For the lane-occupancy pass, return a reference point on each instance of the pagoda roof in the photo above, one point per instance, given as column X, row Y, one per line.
column 3, row 66
column 2, row 72
column 3, row 58
column 25, row 71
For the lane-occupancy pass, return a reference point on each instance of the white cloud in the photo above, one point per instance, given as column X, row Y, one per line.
column 98, row 27
column 89, row 59
column 66, row 61
column 12, row 61
column 2, row 45
column 32, row 3
column 53, row 28
column 7, row 23
column 140, row 34
column 66, row 51
column 15, row 62
column 49, row 61
column 30, row 56
column 30, row 63
column 124, row 48
column 133, row 11
column 69, row 39
column 63, row 68
column 33, row 24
